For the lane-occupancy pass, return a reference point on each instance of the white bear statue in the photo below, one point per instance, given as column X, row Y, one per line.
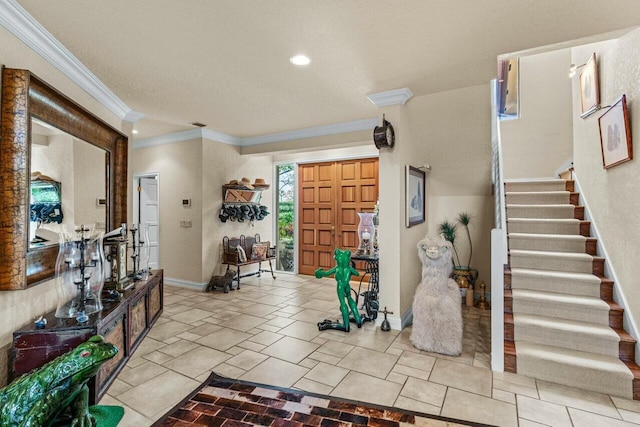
column 437, row 305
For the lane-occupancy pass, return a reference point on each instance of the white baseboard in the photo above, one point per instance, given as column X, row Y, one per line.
column 185, row 284
column 407, row 318
column 629, row 322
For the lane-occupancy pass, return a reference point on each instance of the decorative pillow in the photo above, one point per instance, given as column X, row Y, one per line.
column 242, row 256
column 260, row 250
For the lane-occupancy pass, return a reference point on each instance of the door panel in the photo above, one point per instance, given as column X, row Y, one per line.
column 331, row 194
column 148, row 215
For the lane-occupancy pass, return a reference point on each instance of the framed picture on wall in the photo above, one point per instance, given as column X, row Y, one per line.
column 589, row 89
column 415, row 196
column 615, row 134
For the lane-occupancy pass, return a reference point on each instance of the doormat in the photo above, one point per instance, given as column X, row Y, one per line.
column 226, row 402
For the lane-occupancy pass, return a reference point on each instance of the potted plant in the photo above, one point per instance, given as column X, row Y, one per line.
column 463, row 274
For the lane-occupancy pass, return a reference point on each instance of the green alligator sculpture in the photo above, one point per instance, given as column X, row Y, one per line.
column 38, row 397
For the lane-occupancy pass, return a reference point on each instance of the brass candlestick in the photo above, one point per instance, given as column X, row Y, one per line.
column 483, row 304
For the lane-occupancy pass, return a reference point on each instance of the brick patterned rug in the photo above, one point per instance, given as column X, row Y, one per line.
column 232, row 403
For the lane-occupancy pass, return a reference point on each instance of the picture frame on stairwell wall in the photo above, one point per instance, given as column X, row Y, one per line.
column 415, row 196
column 589, row 88
column 615, row 134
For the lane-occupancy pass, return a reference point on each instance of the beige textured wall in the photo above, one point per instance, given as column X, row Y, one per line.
column 18, row 308
column 398, row 273
column 179, row 166
column 89, row 176
column 452, row 132
column 612, row 194
column 196, row 170
column 222, row 163
column 541, row 140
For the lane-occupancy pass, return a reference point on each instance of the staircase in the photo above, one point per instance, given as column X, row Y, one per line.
column 561, row 324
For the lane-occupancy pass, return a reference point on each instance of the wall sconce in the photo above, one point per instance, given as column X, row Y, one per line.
column 573, row 69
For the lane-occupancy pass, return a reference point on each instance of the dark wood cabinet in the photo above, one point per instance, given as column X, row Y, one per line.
column 124, row 323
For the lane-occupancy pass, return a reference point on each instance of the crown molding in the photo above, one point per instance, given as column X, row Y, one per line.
column 221, row 137
column 390, row 97
column 133, row 116
column 168, row 139
column 355, row 126
column 21, row 24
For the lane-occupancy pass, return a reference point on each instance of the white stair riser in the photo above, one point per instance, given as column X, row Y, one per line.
column 563, row 286
column 596, row 344
column 551, row 264
column 571, row 228
column 554, row 185
column 587, row 378
column 537, row 198
column 535, row 211
column 561, row 311
column 553, row 245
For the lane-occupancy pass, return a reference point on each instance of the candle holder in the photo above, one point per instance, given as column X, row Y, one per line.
column 140, row 252
column 366, row 234
column 79, row 273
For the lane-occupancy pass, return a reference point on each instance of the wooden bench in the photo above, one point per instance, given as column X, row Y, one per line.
column 231, row 255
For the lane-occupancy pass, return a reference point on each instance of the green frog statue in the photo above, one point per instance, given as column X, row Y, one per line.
column 343, row 272
column 38, row 397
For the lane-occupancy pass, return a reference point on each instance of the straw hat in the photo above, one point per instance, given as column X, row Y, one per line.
column 246, row 182
column 39, row 176
column 260, row 183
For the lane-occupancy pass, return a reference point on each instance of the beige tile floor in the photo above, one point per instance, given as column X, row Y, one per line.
column 267, row 333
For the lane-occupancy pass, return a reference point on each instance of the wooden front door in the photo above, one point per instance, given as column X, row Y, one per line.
column 330, row 195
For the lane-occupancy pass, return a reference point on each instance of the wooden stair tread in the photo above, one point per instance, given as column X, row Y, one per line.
column 624, row 335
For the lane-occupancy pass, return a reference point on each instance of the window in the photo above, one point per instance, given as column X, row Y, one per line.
column 285, row 212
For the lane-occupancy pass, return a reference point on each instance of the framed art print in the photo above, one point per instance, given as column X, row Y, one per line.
column 589, row 89
column 615, row 134
column 415, row 196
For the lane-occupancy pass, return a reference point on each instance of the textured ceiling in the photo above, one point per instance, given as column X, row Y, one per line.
column 226, row 63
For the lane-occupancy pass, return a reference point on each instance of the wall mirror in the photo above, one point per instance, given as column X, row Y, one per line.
column 60, row 161
column 96, row 176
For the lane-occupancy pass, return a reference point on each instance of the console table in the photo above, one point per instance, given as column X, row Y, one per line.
column 123, row 322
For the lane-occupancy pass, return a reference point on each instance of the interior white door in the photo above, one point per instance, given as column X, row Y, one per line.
column 148, row 216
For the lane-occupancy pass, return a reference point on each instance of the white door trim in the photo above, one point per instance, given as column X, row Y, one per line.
column 136, row 207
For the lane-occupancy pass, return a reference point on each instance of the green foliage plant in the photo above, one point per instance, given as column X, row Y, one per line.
column 448, row 230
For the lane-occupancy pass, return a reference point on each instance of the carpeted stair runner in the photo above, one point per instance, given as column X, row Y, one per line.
column 575, row 368
column 561, row 326
column 555, row 281
column 548, row 242
column 552, row 261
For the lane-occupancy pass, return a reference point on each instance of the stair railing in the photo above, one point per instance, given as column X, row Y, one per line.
column 498, row 240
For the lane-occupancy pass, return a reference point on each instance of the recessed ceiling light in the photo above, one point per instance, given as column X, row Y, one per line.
column 135, row 132
column 299, row 60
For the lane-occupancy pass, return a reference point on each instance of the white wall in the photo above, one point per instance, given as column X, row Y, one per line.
column 612, row 194
column 537, row 143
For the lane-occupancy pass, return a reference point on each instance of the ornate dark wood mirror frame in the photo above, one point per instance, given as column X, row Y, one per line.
column 24, row 96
